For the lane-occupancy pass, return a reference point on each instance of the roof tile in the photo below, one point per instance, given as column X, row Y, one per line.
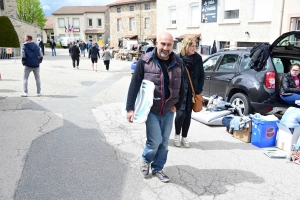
column 79, row 10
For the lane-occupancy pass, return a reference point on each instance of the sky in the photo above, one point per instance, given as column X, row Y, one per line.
column 50, row 6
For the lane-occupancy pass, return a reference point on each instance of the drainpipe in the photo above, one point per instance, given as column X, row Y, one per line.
column 281, row 16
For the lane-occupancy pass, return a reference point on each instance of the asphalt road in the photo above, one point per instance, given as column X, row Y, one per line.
column 73, row 143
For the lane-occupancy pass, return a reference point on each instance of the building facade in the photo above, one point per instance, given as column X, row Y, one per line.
column 238, row 23
column 48, row 32
column 89, row 23
column 9, row 8
column 131, row 22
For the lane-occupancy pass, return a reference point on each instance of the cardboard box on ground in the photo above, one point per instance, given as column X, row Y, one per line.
column 244, row 134
column 285, row 139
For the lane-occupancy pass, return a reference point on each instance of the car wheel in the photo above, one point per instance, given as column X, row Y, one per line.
column 241, row 103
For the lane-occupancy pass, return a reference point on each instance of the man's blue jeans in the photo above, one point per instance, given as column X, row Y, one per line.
column 158, row 130
column 53, row 52
column 36, row 72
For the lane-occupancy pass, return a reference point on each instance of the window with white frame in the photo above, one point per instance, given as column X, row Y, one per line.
column 231, row 9
column 118, row 9
column 119, row 24
column 131, row 24
column 99, row 22
column 262, row 10
column 61, row 22
column 147, row 6
column 295, row 24
column 195, row 14
column 147, row 23
column 131, row 8
column 90, row 22
column 76, row 22
column 172, row 16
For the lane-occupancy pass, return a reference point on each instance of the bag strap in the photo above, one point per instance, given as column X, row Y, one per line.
column 191, row 83
column 188, row 73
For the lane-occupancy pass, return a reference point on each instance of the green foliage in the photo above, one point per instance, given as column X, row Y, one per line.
column 8, row 35
column 32, row 12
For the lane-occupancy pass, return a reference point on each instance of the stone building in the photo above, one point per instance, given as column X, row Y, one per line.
column 238, row 23
column 132, row 21
column 89, row 23
column 9, row 8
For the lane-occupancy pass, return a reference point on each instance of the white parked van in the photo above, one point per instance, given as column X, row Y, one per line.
column 65, row 41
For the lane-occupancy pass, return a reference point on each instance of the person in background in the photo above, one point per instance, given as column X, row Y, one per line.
column 163, row 67
column 193, row 62
column 31, row 58
column 106, row 58
column 74, row 52
column 82, row 47
column 94, row 55
column 42, row 46
column 290, row 85
column 53, row 47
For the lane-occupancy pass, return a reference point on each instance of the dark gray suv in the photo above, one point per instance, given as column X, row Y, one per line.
column 228, row 74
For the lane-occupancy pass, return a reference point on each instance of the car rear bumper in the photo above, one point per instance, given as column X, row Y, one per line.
column 269, row 109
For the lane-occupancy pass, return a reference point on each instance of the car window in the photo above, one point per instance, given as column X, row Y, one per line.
column 245, row 63
column 278, row 65
column 228, row 63
column 210, row 64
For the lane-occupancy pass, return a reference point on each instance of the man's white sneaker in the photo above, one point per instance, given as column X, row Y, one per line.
column 24, row 94
column 38, row 94
column 177, row 140
column 185, row 142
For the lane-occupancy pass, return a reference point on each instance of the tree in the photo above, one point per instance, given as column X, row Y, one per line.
column 31, row 11
column 8, row 35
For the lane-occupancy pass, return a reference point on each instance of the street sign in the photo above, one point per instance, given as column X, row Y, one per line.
column 8, row 50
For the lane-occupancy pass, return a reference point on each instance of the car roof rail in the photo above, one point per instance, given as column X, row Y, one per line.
column 236, row 48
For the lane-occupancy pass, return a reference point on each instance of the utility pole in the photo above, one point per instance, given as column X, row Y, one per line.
column 68, row 27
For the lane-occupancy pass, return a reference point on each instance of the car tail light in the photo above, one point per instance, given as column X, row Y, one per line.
column 270, row 80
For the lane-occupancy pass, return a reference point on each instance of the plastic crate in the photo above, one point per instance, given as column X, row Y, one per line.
column 263, row 133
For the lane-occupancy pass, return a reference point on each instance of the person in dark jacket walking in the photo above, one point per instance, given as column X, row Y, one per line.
column 163, row 68
column 290, row 85
column 82, row 47
column 53, row 47
column 42, row 46
column 74, row 52
column 94, row 55
column 192, row 62
column 31, row 58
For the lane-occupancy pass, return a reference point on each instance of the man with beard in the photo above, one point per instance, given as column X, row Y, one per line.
column 163, row 68
column 74, row 52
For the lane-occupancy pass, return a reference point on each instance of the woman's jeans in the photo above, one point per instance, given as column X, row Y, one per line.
column 182, row 122
column 158, row 130
column 290, row 99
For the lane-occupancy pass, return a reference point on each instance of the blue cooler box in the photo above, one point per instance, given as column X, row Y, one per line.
column 263, row 132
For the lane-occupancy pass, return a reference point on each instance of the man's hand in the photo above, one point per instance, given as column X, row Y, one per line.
column 130, row 115
column 173, row 109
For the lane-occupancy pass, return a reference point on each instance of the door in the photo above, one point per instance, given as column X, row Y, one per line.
column 223, row 74
column 209, row 66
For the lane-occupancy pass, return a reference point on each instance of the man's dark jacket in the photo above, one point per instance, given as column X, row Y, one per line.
column 288, row 85
column 32, row 55
column 94, row 52
column 52, row 45
column 74, row 51
column 149, row 68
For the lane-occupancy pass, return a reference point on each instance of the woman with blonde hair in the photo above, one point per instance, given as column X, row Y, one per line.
column 192, row 62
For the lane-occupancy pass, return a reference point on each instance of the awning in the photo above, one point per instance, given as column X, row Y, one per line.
column 188, row 35
column 130, row 36
column 151, row 37
column 94, row 31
